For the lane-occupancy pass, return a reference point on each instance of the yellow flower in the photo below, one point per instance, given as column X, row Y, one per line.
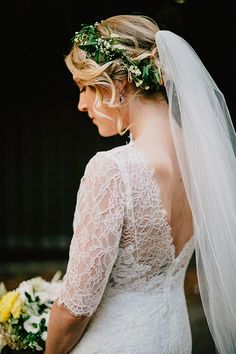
column 17, row 307
column 10, row 303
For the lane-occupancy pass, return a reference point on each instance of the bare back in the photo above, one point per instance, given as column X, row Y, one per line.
column 153, row 138
column 173, row 195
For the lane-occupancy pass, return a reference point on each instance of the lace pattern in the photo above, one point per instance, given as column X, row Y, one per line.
column 122, row 239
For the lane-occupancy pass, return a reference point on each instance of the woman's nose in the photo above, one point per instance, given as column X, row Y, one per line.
column 82, row 105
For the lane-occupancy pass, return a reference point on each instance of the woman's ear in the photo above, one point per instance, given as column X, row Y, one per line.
column 121, row 89
column 121, row 84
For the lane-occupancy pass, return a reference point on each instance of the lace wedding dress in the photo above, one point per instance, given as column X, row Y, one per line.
column 122, row 268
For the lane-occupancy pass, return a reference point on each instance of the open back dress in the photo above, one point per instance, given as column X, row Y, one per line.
column 122, row 269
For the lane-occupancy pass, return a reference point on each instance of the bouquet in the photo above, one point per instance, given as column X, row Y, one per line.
column 24, row 313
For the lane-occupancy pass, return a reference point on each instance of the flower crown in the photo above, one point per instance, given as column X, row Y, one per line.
column 104, row 49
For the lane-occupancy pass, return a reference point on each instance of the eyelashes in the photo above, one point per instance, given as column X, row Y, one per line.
column 82, row 90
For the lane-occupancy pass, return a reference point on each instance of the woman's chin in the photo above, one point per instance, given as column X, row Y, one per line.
column 105, row 133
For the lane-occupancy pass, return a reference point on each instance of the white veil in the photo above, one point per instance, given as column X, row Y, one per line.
column 205, row 143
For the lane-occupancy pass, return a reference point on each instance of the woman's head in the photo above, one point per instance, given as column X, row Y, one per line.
column 117, row 59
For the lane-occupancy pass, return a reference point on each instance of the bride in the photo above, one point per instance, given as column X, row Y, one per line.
column 144, row 207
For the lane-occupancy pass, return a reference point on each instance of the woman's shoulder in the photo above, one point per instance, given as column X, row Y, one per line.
column 109, row 156
column 131, row 158
column 107, row 161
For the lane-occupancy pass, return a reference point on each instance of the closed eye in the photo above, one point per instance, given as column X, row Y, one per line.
column 83, row 89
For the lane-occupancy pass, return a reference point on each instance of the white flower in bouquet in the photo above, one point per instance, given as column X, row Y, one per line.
column 24, row 313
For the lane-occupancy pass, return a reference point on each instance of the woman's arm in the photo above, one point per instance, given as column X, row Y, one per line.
column 97, row 226
column 64, row 330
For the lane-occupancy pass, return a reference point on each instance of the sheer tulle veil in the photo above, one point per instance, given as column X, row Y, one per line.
column 205, row 143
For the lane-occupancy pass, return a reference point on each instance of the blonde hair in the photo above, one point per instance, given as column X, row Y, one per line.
column 136, row 34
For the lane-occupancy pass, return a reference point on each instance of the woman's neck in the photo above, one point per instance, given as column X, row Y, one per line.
column 150, row 124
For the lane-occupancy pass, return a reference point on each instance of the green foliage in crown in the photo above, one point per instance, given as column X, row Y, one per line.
column 102, row 50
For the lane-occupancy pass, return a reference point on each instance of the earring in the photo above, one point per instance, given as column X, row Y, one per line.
column 122, row 96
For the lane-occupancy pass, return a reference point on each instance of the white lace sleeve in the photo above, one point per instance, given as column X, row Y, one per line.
column 98, row 222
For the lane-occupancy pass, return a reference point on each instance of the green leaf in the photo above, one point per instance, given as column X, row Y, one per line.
column 28, row 296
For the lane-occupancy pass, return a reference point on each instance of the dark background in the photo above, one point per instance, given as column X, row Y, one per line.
column 45, row 141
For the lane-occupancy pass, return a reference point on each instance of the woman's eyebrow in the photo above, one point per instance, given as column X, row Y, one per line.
column 80, row 86
column 76, row 81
